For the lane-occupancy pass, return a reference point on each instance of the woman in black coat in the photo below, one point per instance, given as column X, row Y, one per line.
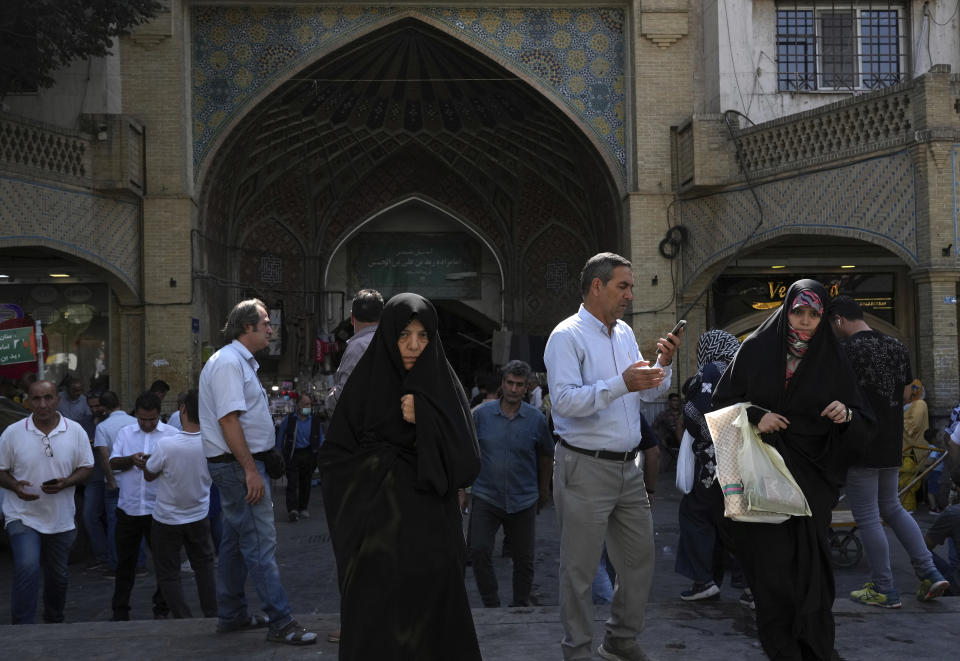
column 400, row 444
column 806, row 403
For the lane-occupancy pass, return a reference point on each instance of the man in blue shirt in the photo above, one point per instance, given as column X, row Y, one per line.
column 597, row 379
column 516, row 461
column 298, row 438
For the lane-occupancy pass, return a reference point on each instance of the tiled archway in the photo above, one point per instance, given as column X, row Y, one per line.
column 409, row 110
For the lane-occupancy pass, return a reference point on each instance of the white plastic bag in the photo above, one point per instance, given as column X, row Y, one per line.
column 731, row 430
column 685, row 463
column 768, row 485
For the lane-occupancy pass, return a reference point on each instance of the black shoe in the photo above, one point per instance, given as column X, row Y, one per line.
column 292, row 634
column 700, row 591
column 293, row 516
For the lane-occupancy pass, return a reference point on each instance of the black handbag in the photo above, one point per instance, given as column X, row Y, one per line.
column 273, row 463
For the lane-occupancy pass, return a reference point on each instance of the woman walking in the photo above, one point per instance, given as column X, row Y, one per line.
column 806, row 403
column 400, row 444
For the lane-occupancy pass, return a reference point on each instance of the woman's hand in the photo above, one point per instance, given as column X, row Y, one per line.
column 407, row 409
column 772, row 422
column 837, row 412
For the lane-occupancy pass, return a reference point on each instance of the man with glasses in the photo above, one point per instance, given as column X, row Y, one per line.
column 42, row 459
column 238, row 435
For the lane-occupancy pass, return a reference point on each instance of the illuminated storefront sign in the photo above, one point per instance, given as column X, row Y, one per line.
column 738, row 296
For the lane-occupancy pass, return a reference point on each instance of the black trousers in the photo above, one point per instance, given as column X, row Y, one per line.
column 195, row 537
column 485, row 519
column 299, row 473
column 130, row 531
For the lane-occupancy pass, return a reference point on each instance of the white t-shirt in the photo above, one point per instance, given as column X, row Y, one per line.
column 22, row 453
column 228, row 383
column 137, row 496
column 183, row 488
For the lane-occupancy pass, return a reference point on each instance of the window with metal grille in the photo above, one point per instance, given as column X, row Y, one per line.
column 840, row 46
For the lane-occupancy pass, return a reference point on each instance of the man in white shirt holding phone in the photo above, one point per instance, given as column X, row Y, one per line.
column 597, row 378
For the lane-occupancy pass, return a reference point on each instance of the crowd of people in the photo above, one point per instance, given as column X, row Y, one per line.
column 406, row 456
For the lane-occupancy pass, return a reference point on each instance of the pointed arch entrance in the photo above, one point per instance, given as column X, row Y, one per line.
column 408, row 113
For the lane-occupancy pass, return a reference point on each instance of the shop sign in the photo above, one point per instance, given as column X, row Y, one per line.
column 435, row 265
column 738, row 296
column 17, row 346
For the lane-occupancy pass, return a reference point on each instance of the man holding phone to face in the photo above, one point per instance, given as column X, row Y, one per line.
column 597, row 378
column 42, row 459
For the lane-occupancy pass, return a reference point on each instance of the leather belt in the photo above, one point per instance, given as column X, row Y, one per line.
column 629, row 455
column 227, row 457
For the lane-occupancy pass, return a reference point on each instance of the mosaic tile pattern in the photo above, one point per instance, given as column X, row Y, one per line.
column 100, row 230
column 551, row 285
column 875, row 199
column 574, row 54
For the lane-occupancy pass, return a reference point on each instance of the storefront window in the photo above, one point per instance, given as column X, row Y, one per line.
column 738, row 296
column 76, row 326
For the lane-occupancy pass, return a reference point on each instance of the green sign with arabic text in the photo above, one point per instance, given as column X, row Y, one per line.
column 436, row 265
column 16, row 346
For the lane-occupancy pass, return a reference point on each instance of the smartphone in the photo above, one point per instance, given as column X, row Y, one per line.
column 49, row 482
column 677, row 329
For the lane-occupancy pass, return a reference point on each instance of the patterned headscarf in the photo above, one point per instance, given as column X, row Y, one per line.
column 808, row 298
column 798, row 341
column 716, row 345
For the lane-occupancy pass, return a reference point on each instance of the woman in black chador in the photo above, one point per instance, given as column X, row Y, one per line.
column 807, row 404
column 400, row 444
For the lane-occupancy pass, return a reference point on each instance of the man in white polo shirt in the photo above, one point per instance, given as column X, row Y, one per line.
column 132, row 448
column 180, row 515
column 42, row 458
column 237, row 433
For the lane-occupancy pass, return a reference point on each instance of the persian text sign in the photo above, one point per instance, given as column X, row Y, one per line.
column 435, row 265
column 17, row 346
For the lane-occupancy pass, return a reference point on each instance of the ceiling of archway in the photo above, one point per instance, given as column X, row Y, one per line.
column 575, row 55
column 410, row 86
column 411, row 91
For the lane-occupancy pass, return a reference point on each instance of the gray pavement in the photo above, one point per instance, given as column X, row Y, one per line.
column 716, row 629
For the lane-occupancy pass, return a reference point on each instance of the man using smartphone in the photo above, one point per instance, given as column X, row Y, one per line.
column 597, row 378
column 136, row 501
column 42, row 459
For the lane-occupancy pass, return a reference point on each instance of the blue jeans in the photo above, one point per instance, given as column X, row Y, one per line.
column 216, row 522
column 602, row 588
column 34, row 552
column 872, row 493
column 248, row 545
column 93, row 516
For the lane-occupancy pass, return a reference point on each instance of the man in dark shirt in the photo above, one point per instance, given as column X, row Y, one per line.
column 883, row 371
column 516, row 461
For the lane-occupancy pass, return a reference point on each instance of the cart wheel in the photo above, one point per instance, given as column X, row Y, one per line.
column 846, row 549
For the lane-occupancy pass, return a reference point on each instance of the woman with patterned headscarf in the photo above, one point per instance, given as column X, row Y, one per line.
column 699, row 551
column 806, row 402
